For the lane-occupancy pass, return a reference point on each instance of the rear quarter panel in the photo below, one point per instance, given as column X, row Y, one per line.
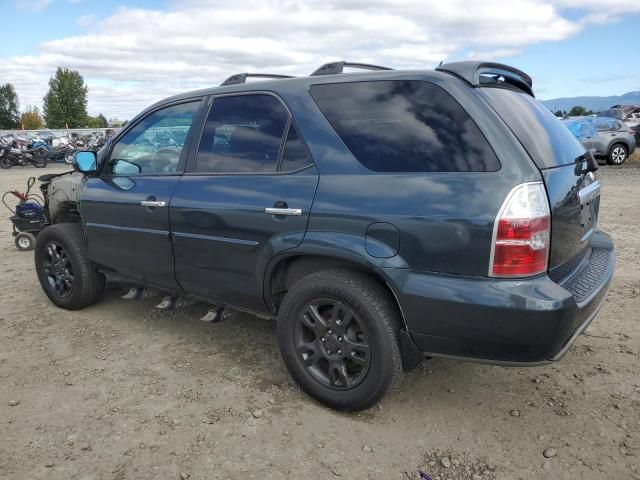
column 445, row 220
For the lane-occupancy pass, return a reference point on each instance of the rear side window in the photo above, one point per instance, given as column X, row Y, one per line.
column 243, row 134
column 405, row 126
column 294, row 156
column 548, row 142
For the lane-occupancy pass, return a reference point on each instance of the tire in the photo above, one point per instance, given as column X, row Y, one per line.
column 618, row 153
column 25, row 241
column 40, row 162
column 5, row 163
column 66, row 276
column 334, row 296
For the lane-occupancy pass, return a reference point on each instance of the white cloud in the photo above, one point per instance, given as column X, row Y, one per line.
column 86, row 21
column 33, row 5
column 136, row 56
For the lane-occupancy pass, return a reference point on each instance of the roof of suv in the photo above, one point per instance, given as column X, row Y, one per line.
column 474, row 73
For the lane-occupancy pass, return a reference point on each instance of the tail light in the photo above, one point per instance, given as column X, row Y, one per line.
column 521, row 233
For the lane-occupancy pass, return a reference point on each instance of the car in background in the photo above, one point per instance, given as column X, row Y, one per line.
column 633, row 122
column 608, row 137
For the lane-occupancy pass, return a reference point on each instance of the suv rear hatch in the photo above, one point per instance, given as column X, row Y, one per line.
column 574, row 194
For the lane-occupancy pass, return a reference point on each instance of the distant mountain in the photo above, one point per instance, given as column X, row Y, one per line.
column 592, row 103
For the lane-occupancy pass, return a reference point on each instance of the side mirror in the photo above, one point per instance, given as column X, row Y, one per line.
column 85, row 161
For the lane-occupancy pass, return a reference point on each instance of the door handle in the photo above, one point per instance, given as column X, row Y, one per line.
column 283, row 211
column 152, row 203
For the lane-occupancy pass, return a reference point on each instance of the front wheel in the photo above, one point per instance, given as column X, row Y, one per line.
column 338, row 335
column 66, row 276
column 617, row 154
column 5, row 163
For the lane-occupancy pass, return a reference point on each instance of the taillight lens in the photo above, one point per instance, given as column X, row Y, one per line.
column 522, row 233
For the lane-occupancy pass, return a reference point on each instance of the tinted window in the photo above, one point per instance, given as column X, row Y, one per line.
column 243, row 134
column 405, row 126
column 294, row 156
column 548, row 142
column 153, row 145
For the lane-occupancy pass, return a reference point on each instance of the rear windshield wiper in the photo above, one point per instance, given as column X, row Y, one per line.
column 592, row 163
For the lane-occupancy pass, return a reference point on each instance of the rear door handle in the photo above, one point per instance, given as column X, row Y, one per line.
column 152, row 203
column 283, row 211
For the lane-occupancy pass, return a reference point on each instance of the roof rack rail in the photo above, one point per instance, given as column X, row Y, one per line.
column 242, row 77
column 334, row 68
column 489, row 73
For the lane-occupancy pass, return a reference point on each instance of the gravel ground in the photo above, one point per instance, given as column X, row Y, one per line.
column 123, row 391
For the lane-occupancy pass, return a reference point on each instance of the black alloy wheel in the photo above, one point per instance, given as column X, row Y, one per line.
column 57, row 268
column 333, row 344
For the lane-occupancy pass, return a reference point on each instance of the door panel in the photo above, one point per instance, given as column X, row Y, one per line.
column 125, row 211
column 125, row 236
column 223, row 238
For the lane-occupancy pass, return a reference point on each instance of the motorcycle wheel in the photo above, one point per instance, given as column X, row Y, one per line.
column 39, row 162
column 5, row 163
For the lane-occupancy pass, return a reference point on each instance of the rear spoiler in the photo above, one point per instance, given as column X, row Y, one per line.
column 480, row 74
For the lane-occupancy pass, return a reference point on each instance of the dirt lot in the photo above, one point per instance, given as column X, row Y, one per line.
column 123, row 391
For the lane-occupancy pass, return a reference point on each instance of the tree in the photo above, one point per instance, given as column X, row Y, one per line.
column 31, row 119
column 65, row 104
column 578, row 111
column 9, row 115
column 96, row 122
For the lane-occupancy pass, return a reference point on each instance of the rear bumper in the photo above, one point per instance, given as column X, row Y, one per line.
column 512, row 322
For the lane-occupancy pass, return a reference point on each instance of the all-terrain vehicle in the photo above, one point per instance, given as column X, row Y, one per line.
column 380, row 217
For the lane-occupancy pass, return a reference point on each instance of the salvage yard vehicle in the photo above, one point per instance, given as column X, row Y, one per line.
column 380, row 217
column 607, row 137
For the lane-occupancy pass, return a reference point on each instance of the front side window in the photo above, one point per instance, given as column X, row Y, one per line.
column 243, row 134
column 154, row 145
column 405, row 126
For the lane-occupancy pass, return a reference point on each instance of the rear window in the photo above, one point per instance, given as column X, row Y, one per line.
column 405, row 126
column 548, row 142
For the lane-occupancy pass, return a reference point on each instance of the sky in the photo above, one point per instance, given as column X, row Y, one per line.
column 133, row 53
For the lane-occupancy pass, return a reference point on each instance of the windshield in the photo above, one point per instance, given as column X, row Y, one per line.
column 548, row 142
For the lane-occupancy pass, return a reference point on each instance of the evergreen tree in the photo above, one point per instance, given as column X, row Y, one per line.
column 9, row 115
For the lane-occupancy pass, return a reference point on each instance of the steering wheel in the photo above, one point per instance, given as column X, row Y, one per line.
column 165, row 160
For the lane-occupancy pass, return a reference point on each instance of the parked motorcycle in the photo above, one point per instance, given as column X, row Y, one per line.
column 13, row 156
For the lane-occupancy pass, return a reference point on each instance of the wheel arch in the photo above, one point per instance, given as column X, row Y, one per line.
column 284, row 271
column 618, row 141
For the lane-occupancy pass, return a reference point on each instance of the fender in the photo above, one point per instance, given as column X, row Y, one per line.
column 341, row 246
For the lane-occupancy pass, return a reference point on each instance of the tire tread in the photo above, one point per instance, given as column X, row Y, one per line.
column 91, row 282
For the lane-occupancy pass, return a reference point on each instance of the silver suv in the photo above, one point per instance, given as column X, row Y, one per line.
column 609, row 137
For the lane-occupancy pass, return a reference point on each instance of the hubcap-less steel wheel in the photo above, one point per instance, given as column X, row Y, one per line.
column 332, row 344
column 24, row 242
column 58, row 271
column 618, row 154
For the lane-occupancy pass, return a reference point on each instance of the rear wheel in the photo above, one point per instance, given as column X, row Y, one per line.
column 5, row 162
column 617, row 154
column 338, row 335
column 66, row 276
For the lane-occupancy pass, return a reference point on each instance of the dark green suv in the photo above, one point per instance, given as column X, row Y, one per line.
column 379, row 217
